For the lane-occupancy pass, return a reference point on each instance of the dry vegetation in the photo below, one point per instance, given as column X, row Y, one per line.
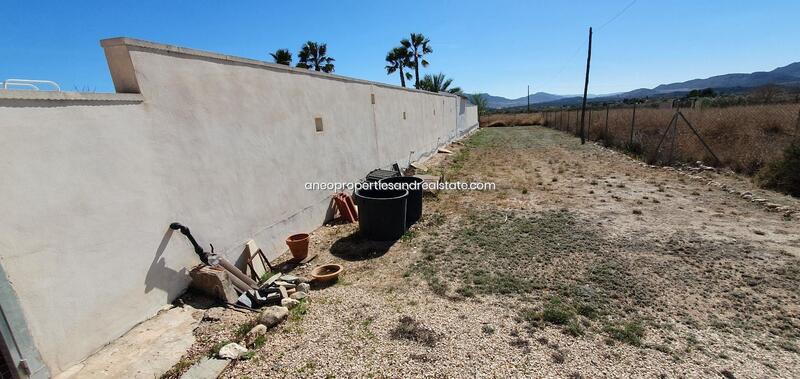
column 510, row 119
column 744, row 138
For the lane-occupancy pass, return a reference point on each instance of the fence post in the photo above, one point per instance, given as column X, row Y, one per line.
column 696, row 133
column 605, row 137
column 797, row 126
column 589, row 124
column 633, row 123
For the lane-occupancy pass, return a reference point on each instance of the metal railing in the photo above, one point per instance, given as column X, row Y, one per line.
column 31, row 84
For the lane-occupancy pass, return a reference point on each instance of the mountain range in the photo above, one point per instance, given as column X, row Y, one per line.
column 788, row 75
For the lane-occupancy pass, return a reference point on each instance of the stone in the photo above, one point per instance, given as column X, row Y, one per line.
column 304, row 287
column 284, row 294
column 273, row 315
column 283, row 284
column 298, row 295
column 214, row 314
column 289, row 303
column 289, row 278
column 271, row 280
column 206, row 368
column 214, row 283
column 255, row 332
column 232, row 351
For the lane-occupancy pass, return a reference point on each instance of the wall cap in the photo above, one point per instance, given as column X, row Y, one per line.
column 137, row 43
column 69, row 96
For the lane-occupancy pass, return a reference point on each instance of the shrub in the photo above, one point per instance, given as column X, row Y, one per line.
column 557, row 312
column 783, row 174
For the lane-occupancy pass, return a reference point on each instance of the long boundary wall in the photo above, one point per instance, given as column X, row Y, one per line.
column 222, row 144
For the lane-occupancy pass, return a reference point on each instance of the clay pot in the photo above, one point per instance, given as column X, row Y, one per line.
column 298, row 245
column 326, row 273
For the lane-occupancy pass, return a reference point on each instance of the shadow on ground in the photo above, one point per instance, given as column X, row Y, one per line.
column 357, row 248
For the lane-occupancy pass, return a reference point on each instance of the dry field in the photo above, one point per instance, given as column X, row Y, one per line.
column 744, row 138
column 583, row 263
column 510, row 119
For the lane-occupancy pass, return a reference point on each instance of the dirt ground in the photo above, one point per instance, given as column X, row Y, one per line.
column 582, row 263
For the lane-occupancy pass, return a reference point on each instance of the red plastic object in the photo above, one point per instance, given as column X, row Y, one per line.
column 346, row 206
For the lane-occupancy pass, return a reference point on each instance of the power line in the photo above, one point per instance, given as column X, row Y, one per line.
column 617, row 15
column 579, row 48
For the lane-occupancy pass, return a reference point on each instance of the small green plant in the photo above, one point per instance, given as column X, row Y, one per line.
column 242, row 329
column 574, row 328
column 296, row 314
column 630, row 333
column 408, row 236
column 557, row 312
column 259, row 342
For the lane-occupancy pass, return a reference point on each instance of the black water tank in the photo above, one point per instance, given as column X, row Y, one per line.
column 414, row 204
column 381, row 213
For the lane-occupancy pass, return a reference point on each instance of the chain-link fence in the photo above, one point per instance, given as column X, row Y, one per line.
column 744, row 138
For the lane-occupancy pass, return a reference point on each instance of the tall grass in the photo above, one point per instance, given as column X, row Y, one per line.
column 744, row 138
column 511, row 119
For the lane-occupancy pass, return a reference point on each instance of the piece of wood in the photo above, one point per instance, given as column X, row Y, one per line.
column 419, row 166
column 252, row 251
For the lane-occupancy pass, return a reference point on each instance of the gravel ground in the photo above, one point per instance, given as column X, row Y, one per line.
column 685, row 277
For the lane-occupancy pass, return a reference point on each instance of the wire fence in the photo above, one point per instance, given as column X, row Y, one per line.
column 743, row 138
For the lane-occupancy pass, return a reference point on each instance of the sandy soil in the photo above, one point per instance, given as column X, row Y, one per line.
column 582, row 263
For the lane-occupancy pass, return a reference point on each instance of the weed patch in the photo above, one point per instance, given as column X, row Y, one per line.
column 412, row 330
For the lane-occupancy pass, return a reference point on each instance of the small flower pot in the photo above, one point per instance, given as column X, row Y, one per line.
column 298, row 245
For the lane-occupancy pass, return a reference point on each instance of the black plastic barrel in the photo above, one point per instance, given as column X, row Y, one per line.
column 381, row 213
column 414, row 204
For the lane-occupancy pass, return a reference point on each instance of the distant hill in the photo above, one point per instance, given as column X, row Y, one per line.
column 787, row 76
column 502, row 102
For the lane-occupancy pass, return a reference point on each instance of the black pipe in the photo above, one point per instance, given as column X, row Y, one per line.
column 197, row 249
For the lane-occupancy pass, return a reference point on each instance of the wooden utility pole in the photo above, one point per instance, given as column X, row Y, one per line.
column 586, row 86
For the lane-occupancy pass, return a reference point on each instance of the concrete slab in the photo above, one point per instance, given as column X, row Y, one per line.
column 146, row 351
column 206, row 368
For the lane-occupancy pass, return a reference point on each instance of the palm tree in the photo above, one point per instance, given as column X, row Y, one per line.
column 314, row 56
column 419, row 45
column 438, row 83
column 398, row 58
column 282, row 56
column 480, row 101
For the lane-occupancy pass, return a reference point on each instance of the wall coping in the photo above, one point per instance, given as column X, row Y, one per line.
column 171, row 49
column 69, row 96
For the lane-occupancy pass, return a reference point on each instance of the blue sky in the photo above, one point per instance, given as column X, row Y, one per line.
column 488, row 46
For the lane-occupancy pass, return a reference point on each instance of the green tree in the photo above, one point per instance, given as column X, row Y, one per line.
column 282, row 56
column 438, row 83
column 397, row 59
column 418, row 45
column 480, row 101
column 314, row 56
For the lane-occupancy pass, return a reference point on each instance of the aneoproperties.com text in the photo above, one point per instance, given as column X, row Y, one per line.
column 413, row 186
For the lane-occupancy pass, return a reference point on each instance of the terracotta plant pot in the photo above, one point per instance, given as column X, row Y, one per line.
column 326, row 273
column 298, row 245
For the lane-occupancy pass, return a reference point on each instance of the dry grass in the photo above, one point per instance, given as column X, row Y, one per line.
column 511, row 119
column 744, row 138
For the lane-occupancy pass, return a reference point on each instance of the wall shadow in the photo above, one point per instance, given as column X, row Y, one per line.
column 163, row 277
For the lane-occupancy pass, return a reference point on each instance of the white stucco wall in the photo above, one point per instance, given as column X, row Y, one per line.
column 221, row 144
